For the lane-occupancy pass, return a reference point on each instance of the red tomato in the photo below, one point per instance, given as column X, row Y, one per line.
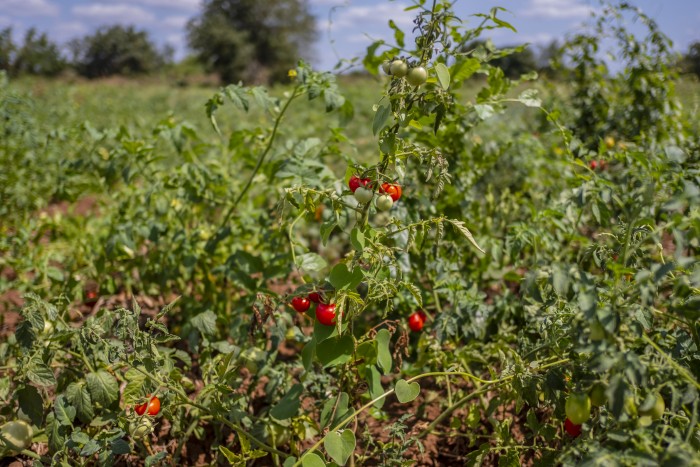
column 153, row 406
column 315, row 297
column 356, row 182
column 416, row 321
column 392, row 190
column 571, row 428
column 593, row 165
column 301, row 304
column 325, row 313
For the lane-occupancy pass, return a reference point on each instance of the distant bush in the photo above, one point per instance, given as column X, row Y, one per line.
column 37, row 55
column 116, row 50
column 251, row 40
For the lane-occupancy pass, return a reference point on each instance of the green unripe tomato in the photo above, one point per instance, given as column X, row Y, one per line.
column 386, row 67
column 384, row 202
column 141, row 428
column 597, row 331
column 363, row 195
column 17, row 435
column 398, row 68
column 578, row 408
column 417, row 76
column 657, row 410
column 597, row 394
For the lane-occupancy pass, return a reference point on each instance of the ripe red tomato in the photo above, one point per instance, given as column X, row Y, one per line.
column 416, row 321
column 315, row 297
column 90, row 297
column 593, row 165
column 571, row 428
column 153, row 406
column 392, row 190
column 356, row 182
column 301, row 304
column 325, row 313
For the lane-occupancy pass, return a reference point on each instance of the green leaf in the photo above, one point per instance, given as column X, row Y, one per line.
column 461, row 228
column 205, row 323
column 40, row 374
column 374, row 381
column 383, row 353
column 443, row 75
column 119, row 446
column 405, row 391
column 289, row 405
column 135, row 382
column 337, row 407
column 381, row 117
column 79, row 397
column 560, row 280
column 32, row 404
column 357, row 238
column 312, row 460
column 335, row 351
column 103, row 387
column 529, row 98
column 65, row 414
column 340, row 445
column 342, row 278
column 398, row 33
column 484, row 111
column 310, row 262
column 464, row 69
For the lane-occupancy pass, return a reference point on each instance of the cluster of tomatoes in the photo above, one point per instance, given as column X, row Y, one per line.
column 325, row 312
column 389, row 193
column 143, row 426
column 399, row 69
column 578, row 408
column 598, row 164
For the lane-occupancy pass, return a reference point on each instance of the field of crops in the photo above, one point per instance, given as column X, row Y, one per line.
column 431, row 265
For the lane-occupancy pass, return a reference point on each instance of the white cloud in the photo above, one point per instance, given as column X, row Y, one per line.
column 190, row 5
column 28, row 7
column 176, row 21
column 373, row 17
column 537, row 38
column 114, row 13
column 329, row 2
column 68, row 30
column 557, row 9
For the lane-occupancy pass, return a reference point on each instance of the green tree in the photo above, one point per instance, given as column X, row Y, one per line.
column 514, row 61
column 7, row 49
column 691, row 60
column 38, row 56
column 116, row 50
column 251, row 40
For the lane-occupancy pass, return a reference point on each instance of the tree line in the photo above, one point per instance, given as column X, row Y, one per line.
column 248, row 40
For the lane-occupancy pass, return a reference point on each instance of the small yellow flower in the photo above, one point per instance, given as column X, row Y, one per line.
column 292, row 74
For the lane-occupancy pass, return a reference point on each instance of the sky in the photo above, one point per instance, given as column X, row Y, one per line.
column 345, row 27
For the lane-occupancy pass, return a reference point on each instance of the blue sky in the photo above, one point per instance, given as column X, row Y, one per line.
column 352, row 22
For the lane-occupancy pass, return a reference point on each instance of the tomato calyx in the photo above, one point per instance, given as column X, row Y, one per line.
column 153, row 405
